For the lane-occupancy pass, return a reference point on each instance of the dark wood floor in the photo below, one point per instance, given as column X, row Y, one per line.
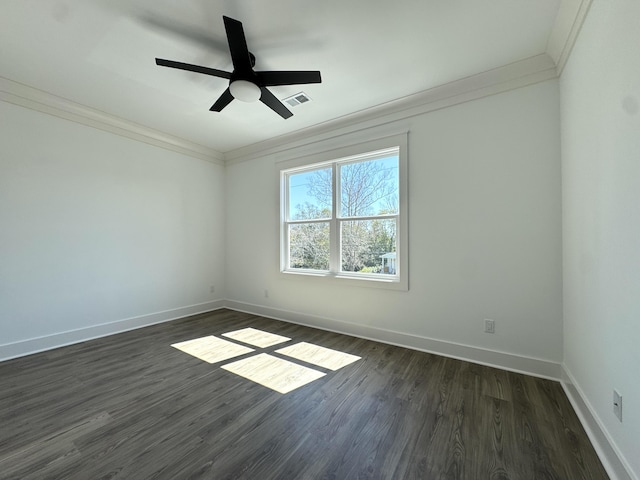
column 131, row 406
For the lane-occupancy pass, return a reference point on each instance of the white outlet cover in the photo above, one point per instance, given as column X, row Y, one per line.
column 489, row 326
column 617, row 404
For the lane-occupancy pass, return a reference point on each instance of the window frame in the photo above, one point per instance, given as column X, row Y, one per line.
column 333, row 158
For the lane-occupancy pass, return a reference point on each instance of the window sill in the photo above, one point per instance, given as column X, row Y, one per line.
column 329, row 278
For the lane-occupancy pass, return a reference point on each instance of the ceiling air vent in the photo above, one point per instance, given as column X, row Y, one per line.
column 297, row 99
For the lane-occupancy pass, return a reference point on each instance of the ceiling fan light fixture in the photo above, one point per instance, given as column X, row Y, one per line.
column 245, row 91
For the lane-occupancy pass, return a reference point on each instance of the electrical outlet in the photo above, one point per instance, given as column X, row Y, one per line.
column 489, row 326
column 212, row 289
column 617, row 404
column 266, row 293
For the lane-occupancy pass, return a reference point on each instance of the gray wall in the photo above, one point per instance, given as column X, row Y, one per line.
column 96, row 229
column 484, row 233
column 600, row 110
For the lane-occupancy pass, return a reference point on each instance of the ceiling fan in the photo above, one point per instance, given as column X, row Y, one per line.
column 245, row 84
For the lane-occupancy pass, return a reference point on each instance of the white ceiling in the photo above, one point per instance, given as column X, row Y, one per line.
column 100, row 54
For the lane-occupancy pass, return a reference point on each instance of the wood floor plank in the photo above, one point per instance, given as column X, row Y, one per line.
column 130, row 406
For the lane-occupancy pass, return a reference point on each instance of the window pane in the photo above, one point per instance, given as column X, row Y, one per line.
column 309, row 246
column 369, row 187
column 310, row 194
column 369, row 246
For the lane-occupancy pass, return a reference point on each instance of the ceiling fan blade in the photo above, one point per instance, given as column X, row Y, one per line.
column 193, row 68
column 288, row 78
column 240, row 55
column 223, row 101
column 171, row 26
column 273, row 103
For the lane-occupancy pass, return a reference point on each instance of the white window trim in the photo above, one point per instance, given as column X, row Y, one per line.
column 399, row 282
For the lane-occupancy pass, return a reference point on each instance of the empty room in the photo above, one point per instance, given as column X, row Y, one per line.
column 320, row 240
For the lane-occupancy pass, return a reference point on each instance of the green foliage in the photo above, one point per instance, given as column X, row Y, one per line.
column 376, row 269
column 365, row 241
column 309, row 246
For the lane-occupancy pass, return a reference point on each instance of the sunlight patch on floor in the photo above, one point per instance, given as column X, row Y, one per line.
column 321, row 356
column 274, row 373
column 256, row 337
column 212, row 349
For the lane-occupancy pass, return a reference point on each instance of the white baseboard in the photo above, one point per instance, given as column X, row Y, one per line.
column 612, row 459
column 48, row 342
column 502, row 360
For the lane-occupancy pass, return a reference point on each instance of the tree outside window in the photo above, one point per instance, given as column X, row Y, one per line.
column 342, row 216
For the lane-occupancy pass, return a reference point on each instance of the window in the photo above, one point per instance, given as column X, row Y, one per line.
column 345, row 217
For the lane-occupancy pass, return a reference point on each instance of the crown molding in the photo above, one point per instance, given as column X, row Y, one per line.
column 571, row 16
column 34, row 99
column 569, row 20
column 525, row 72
